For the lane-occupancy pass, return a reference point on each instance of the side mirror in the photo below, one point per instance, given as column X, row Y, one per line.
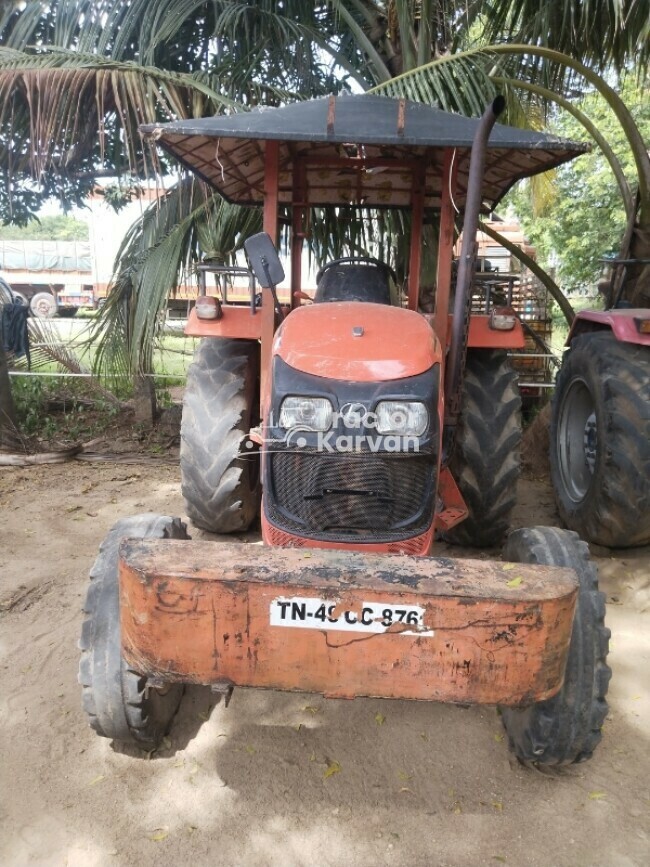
column 264, row 260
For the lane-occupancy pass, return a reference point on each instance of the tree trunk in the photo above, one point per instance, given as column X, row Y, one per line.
column 144, row 400
column 637, row 285
column 8, row 419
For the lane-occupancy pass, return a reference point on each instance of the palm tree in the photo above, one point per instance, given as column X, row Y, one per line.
column 71, row 106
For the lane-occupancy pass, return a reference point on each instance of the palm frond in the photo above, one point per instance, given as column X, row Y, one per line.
column 603, row 33
column 414, row 84
column 459, row 83
column 261, row 49
column 363, row 42
column 157, row 254
column 72, row 101
column 359, row 231
column 47, row 347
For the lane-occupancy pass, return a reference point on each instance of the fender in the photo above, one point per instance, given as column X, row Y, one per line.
column 481, row 336
column 622, row 323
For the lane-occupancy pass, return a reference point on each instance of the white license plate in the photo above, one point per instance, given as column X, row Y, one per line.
column 306, row 612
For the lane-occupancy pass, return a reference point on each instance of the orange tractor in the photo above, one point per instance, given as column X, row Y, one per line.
column 360, row 429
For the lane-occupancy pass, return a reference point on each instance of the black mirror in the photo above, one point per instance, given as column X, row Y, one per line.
column 264, row 260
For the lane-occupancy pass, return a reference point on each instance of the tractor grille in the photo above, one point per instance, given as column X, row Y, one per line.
column 351, row 497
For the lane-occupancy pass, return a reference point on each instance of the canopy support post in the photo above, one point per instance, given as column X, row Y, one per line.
column 299, row 216
column 270, row 225
column 445, row 247
column 418, row 181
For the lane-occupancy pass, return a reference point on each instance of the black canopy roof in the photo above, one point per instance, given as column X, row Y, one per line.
column 228, row 150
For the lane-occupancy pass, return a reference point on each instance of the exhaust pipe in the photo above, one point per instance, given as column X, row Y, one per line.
column 458, row 343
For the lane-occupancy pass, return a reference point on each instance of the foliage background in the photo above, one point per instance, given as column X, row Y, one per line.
column 54, row 227
column 582, row 218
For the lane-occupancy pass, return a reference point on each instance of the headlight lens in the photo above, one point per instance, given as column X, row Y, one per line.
column 306, row 413
column 402, row 417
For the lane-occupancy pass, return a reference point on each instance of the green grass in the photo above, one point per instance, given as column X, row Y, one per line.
column 171, row 357
column 174, row 355
column 32, row 393
column 76, row 420
column 561, row 326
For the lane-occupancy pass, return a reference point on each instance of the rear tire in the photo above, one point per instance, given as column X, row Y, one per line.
column 600, row 441
column 119, row 702
column 220, row 477
column 485, row 460
column 566, row 728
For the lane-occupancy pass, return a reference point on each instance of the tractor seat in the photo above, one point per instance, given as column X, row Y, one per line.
column 354, row 281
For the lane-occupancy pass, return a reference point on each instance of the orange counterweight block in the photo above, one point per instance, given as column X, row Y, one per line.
column 345, row 624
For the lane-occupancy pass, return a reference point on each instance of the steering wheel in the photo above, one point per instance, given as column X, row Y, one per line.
column 356, row 260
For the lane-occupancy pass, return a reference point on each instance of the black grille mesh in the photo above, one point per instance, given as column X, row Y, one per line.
column 334, row 496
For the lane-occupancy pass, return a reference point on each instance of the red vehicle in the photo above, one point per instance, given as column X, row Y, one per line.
column 359, row 429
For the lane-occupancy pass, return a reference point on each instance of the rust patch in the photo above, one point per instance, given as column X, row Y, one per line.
column 188, row 615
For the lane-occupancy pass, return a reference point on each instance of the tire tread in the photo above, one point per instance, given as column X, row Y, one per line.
column 615, row 511
column 567, row 727
column 485, row 463
column 216, row 481
column 114, row 696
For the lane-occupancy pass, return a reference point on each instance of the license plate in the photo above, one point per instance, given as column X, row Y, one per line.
column 307, row 612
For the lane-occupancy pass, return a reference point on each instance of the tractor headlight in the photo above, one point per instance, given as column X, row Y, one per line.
column 306, row 413
column 402, row 417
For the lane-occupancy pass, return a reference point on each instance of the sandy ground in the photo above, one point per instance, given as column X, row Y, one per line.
column 428, row 785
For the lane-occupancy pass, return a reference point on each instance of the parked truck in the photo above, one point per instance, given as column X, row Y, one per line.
column 53, row 277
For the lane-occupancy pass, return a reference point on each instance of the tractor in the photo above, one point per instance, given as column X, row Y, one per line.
column 600, row 427
column 360, row 429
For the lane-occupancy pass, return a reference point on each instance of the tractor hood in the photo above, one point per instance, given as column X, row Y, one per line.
column 357, row 342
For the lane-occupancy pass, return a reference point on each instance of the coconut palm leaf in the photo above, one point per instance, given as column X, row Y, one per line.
column 550, row 97
column 157, row 255
column 46, row 347
column 459, row 82
column 74, row 103
column 414, row 82
column 358, row 231
column 603, row 33
column 363, row 42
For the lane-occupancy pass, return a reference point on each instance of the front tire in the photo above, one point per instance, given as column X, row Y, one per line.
column 567, row 727
column 120, row 703
column 220, row 477
column 600, row 441
column 485, row 460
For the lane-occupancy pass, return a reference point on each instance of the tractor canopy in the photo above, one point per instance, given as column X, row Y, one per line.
column 387, row 135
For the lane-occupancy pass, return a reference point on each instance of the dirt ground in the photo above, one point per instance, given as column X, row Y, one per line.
column 419, row 784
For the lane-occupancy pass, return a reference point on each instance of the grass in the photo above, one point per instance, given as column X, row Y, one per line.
column 171, row 358
column 84, row 412
column 81, row 413
column 561, row 326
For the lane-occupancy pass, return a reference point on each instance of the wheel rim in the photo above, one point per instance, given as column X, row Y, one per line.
column 577, row 445
column 43, row 307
